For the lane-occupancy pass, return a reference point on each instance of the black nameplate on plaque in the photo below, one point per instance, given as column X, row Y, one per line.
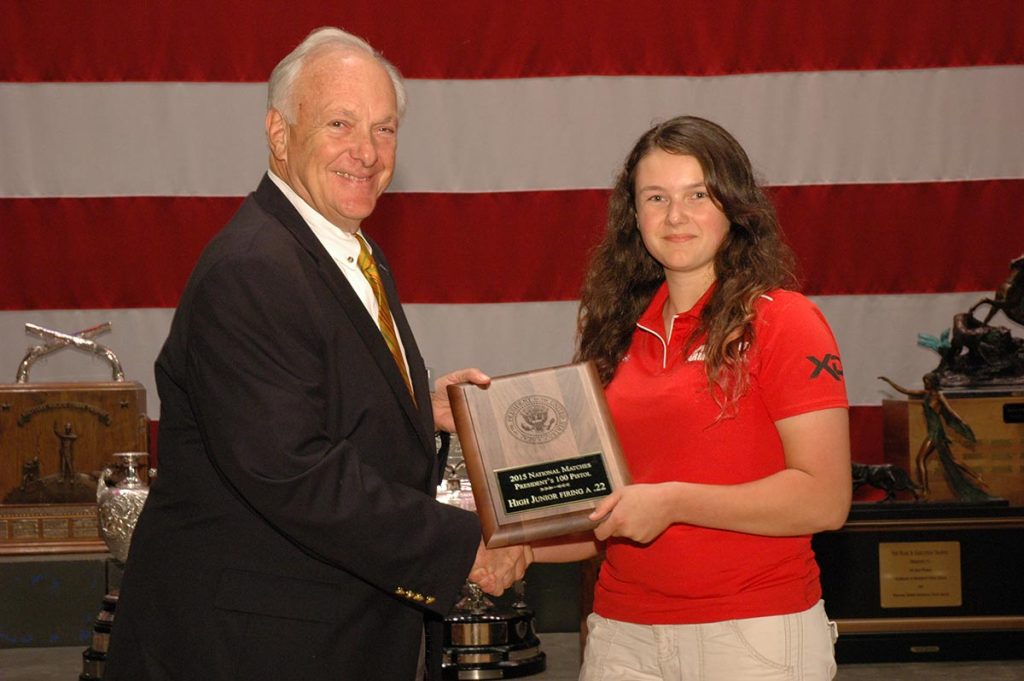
column 526, row 488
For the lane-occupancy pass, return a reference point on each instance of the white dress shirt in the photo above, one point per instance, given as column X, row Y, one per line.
column 343, row 249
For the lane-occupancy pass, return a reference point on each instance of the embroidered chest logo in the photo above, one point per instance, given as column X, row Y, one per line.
column 697, row 355
column 830, row 364
column 536, row 419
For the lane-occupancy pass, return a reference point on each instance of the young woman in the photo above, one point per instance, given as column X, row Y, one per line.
column 727, row 392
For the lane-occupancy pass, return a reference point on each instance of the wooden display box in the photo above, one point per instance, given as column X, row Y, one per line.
column 919, row 582
column 55, row 439
column 997, row 419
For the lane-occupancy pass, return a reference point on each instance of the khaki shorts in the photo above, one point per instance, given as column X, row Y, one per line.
column 797, row 647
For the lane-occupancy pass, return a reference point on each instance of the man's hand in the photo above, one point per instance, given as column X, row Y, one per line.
column 439, row 400
column 495, row 570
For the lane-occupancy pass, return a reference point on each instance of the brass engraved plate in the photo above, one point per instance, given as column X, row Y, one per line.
column 84, row 528
column 54, row 528
column 49, row 528
column 24, row 529
column 920, row 574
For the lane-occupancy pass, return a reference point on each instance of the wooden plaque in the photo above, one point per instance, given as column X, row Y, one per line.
column 540, row 450
column 55, row 438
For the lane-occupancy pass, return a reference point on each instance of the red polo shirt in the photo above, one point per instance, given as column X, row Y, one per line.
column 669, row 428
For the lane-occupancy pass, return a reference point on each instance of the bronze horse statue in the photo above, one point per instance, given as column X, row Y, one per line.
column 1009, row 297
column 979, row 353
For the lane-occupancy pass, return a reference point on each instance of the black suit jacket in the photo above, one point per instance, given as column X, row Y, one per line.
column 292, row 531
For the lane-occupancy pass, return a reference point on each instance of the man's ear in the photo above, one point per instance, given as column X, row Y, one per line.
column 277, row 134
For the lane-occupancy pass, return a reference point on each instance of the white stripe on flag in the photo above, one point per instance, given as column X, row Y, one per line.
column 206, row 139
column 510, row 337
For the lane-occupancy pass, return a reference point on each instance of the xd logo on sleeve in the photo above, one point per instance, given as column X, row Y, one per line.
column 830, row 364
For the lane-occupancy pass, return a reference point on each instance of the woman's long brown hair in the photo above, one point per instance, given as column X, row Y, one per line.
column 623, row 277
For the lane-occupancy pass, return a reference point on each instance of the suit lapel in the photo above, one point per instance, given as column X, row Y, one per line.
column 275, row 203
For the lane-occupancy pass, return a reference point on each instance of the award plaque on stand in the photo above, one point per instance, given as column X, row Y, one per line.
column 540, row 450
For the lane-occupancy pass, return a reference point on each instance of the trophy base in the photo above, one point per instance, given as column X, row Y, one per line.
column 95, row 656
column 491, row 645
column 919, row 581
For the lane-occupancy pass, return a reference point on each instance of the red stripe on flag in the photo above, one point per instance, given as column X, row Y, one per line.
column 95, row 253
column 512, row 247
column 241, row 40
column 866, row 434
column 903, row 238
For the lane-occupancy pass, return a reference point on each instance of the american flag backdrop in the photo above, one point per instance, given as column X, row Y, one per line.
column 891, row 133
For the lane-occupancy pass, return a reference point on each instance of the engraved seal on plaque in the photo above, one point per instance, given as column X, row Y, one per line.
column 536, row 419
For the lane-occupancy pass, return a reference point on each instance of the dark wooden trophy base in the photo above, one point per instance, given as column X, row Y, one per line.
column 925, row 581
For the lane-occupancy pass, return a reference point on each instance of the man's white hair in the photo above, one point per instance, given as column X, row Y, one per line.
column 282, row 78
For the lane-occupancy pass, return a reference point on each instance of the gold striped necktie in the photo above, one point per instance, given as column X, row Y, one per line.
column 384, row 319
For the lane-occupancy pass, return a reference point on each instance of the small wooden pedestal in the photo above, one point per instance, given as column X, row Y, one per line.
column 997, row 420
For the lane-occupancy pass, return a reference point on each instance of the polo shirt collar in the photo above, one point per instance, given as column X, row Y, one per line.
column 651, row 318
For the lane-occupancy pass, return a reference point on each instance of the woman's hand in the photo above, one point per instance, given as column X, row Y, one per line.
column 637, row 512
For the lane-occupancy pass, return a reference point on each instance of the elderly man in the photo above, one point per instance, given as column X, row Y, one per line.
column 293, row 532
